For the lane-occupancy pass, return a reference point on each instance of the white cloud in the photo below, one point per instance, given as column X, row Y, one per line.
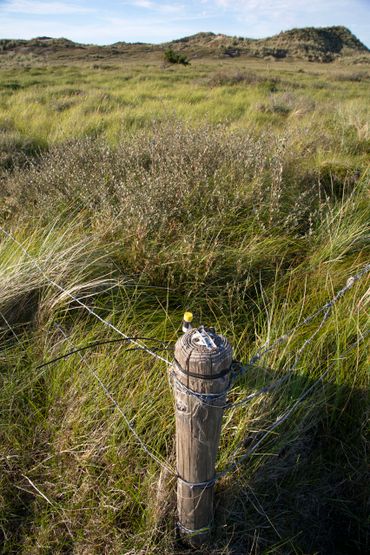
column 144, row 4
column 267, row 5
column 161, row 20
column 159, row 7
column 44, row 8
column 105, row 31
column 288, row 8
column 259, row 18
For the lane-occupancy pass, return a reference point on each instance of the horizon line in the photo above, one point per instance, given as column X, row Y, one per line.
column 46, row 37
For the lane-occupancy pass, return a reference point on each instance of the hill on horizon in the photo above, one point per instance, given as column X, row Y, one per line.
column 310, row 43
column 324, row 44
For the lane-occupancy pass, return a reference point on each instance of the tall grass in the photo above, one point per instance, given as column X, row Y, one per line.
column 58, row 103
column 252, row 228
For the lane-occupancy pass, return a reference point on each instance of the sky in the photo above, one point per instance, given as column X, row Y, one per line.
column 109, row 21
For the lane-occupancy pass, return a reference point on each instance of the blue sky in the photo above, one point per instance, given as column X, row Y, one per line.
column 108, row 21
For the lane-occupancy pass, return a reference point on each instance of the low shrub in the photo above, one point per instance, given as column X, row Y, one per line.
column 173, row 57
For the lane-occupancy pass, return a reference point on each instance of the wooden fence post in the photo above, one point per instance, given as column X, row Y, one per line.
column 202, row 364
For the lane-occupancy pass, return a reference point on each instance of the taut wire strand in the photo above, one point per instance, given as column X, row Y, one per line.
column 77, row 300
column 235, row 464
column 122, row 413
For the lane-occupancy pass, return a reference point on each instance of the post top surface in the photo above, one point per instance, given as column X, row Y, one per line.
column 203, row 353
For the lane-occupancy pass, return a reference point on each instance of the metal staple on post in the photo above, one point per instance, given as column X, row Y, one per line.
column 202, row 365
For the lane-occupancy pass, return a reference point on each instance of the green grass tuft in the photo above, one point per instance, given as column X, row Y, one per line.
column 145, row 192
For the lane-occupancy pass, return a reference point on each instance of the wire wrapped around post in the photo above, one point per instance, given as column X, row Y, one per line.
column 205, row 368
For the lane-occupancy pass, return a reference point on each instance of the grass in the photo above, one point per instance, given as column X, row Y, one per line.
column 59, row 103
column 239, row 192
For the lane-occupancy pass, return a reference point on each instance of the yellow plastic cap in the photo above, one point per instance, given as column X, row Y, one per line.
column 188, row 317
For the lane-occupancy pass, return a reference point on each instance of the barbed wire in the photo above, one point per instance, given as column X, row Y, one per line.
column 208, row 399
column 131, row 428
column 212, row 400
column 76, row 299
column 107, row 342
column 266, row 347
column 235, row 464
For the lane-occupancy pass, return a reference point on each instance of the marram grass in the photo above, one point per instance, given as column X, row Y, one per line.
column 252, row 225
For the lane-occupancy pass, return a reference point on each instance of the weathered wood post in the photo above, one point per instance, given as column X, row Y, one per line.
column 202, row 366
